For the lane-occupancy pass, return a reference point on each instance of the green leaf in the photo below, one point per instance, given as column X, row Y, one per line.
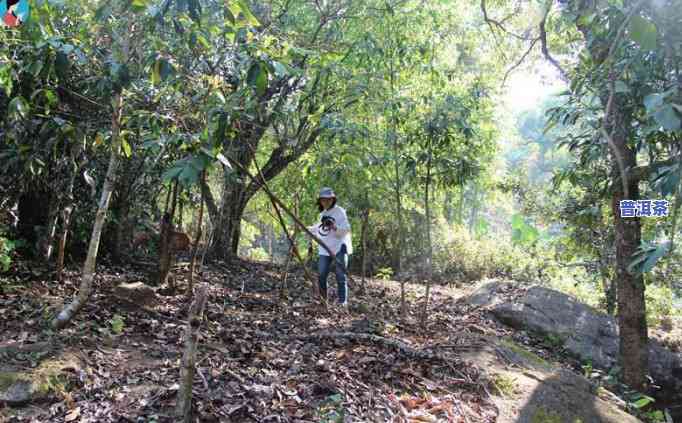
column 667, row 118
column 19, row 108
column 280, row 69
column 103, row 12
column 189, row 175
column 36, row 67
column 257, row 77
column 643, row 32
column 127, row 151
column 120, row 75
column 195, row 10
column 586, row 20
column 61, row 65
column 643, row 402
column 647, row 256
column 250, row 18
column 621, row 87
column 171, row 173
column 140, row 5
column 653, row 101
column 668, row 183
column 116, row 324
column 161, row 70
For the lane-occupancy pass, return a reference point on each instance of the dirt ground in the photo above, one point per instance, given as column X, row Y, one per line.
column 265, row 358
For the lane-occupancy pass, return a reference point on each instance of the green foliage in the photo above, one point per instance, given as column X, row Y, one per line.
column 659, row 303
column 504, row 384
column 643, row 32
column 647, row 255
column 7, row 246
column 522, row 232
column 462, row 257
column 257, row 254
column 384, row 273
column 543, row 415
column 117, row 324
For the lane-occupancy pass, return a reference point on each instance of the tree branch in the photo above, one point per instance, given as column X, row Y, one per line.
column 490, row 21
column 545, row 49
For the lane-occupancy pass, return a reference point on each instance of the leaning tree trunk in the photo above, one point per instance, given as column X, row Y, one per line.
column 109, row 182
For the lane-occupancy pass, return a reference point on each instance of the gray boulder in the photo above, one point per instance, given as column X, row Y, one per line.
column 17, row 391
column 584, row 331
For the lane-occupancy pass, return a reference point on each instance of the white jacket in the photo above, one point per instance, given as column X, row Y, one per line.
column 334, row 239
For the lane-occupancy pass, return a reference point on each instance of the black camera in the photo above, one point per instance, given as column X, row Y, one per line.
column 326, row 225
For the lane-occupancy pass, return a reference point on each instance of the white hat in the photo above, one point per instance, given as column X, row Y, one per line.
column 327, row 193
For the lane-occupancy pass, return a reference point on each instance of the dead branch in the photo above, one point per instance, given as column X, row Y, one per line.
column 394, row 344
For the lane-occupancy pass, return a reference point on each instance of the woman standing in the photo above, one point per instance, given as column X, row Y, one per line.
column 333, row 228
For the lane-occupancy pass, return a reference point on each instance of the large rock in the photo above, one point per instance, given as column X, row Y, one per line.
column 137, row 293
column 585, row 332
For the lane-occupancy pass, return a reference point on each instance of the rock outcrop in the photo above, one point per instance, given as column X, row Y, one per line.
column 583, row 331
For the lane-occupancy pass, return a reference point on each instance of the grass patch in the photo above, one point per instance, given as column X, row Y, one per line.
column 524, row 353
column 504, row 384
column 48, row 378
column 544, row 416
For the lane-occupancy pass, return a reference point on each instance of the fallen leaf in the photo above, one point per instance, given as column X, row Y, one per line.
column 73, row 415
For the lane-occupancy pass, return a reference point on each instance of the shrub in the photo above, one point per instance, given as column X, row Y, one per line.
column 462, row 257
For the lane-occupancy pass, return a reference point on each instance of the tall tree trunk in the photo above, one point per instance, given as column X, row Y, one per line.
column 109, row 182
column 634, row 350
column 228, row 230
column 460, row 206
column 121, row 209
column 474, row 210
column 632, row 324
column 429, row 244
column 165, row 244
column 121, row 231
column 363, row 242
column 449, row 211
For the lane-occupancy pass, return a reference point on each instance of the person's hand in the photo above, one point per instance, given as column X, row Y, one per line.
column 333, row 226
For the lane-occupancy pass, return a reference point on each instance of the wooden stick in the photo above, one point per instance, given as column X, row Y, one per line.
column 183, row 407
column 197, row 238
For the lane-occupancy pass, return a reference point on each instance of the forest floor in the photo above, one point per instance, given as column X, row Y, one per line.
column 264, row 359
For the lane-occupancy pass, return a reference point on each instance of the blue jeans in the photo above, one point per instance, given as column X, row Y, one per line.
column 341, row 265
